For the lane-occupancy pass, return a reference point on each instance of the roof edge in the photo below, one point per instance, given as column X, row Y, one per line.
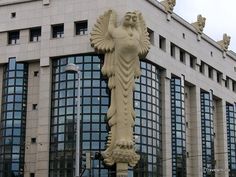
column 12, row 2
column 186, row 24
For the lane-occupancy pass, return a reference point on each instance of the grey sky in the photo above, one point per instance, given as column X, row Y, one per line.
column 220, row 17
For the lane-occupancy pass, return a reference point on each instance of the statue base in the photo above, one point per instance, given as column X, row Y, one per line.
column 122, row 170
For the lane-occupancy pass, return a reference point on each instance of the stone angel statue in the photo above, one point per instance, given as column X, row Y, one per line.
column 225, row 42
column 123, row 46
column 169, row 5
column 200, row 24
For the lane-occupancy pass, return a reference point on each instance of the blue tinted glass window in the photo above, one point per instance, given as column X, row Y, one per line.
column 13, row 118
column 231, row 135
column 94, row 105
column 178, row 128
column 208, row 158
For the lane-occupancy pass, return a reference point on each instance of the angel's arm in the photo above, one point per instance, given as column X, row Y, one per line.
column 112, row 22
column 144, row 42
column 101, row 39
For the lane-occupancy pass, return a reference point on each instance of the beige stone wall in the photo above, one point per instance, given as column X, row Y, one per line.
column 43, row 129
column 31, row 120
column 166, row 126
column 34, row 14
column 193, row 131
column 220, row 129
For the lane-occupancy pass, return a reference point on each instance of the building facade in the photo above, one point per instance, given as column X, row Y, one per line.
column 184, row 100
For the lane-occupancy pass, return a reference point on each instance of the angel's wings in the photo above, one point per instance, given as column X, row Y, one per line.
column 100, row 39
column 102, row 42
column 144, row 40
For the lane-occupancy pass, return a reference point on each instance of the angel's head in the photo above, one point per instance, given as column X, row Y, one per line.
column 130, row 19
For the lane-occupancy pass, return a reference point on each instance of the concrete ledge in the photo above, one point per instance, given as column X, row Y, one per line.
column 9, row 2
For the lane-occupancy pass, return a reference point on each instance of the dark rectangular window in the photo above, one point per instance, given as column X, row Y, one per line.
column 210, row 72
column 58, row 31
column 151, row 35
column 35, row 34
column 35, row 106
column 13, row 15
column 227, row 82
column 81, row 27
column 162, row 43
column 14, row 37
column 172, row 50
column 182, row 55
column 193, row 61
column 36, row 73
column 219, row 77
column 201, row 69
column 33, row 140
column 32, row 175
column 233, row 85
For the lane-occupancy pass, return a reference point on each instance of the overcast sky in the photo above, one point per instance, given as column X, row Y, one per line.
column 220, row 17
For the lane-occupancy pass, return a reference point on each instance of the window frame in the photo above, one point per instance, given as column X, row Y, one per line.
column 79, row 31
column 14, row 37
column 35, row 34
column 57, row 31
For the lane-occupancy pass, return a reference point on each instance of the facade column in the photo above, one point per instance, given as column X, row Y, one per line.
column 194, row 139
column 45, row 42
column 43, row 131
column 221, row 146
column 166, row 125
column 32, row 120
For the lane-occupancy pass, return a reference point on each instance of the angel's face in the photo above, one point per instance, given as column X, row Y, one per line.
column 130, row 19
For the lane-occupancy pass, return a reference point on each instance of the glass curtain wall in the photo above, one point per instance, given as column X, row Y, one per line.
column 208, row 158
column 148, row 122
column 13, row 119
column 231, row 137
column 94, row 105
column 94, row 129
column 178, row 127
